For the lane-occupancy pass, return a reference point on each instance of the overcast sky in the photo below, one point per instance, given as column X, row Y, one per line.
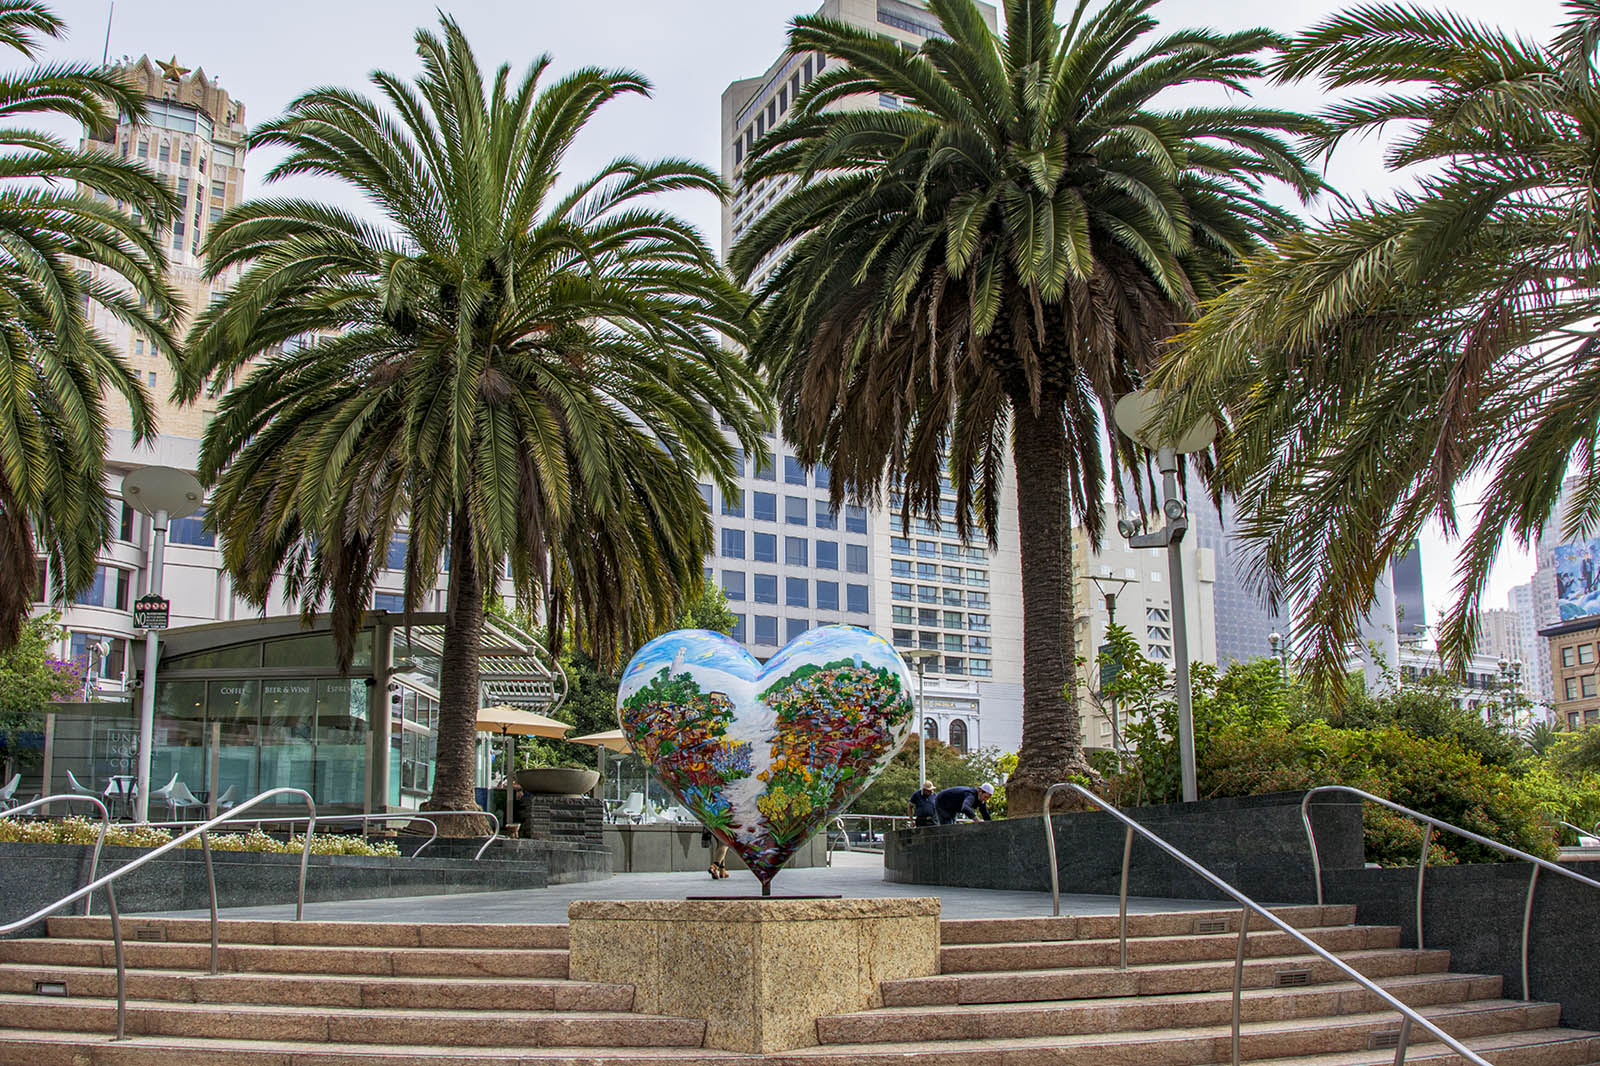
column 265, row 52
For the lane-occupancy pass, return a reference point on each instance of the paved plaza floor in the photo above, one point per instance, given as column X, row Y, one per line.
column 853, row 874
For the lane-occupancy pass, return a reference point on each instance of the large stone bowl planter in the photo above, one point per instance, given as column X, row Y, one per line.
column 558, row 782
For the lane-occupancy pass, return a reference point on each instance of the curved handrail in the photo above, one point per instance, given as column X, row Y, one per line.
column 202, row 831
column 397, row 816
column 73, row 797
column 1579, row 830
column 1422, row 860
column 1409, row 1017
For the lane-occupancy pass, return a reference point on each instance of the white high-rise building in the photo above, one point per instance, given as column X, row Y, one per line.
column 787, row 562
column 1536, row 674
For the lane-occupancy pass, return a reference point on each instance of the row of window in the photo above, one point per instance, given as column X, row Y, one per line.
column 905, row 638
column 936, row 550
column 934, row 572
column 958, row 732
column 901, row 590
column 1588, row 718
column 761, row 630
column 1582, row 687
column 929, row 616
column 768, row 115
column 1577, row 655
column 796, row 551
column 797, row 510
column 763, row 588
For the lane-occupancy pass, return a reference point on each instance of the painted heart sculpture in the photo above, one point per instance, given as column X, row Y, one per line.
column 764, row 755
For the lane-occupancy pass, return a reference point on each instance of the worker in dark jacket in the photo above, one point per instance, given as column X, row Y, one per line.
column 921, row 808
column 963, row 800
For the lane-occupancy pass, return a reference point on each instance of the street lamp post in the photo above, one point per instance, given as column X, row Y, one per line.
column 1280, row 648
column 1136, row 417
column 919, row 658
column 163, row 493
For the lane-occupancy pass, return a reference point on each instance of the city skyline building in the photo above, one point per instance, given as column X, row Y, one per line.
column 1242, row 621
column 787, row 562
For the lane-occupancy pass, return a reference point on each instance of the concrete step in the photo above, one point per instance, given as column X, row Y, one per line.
column 321, row 990
column 1100, row 926
column 1135, row 1013
column 1015, row 986
column 30, row 1048
column 337, row 934
column 276, row 958
column 521, row 1028
column 976, row 958
column 1194, row 1046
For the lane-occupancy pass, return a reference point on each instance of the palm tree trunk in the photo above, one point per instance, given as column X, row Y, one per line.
column 1052, row 738
column 458, row 688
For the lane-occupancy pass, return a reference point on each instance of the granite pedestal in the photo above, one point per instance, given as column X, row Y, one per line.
column 760, row 971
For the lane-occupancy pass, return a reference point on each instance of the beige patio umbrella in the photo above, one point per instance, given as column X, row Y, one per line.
column 610, row 740
column 511, row 722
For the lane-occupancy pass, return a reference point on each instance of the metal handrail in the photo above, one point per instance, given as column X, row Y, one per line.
column 1422, row 861
column 1409, row 1017
column 73, row 797
column 398, row 816
column 1579, row 830
column 203, row 832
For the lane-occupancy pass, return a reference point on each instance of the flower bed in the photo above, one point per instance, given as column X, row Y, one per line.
column 78, row 830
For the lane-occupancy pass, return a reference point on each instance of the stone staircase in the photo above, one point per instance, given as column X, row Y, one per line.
column 1012, row 992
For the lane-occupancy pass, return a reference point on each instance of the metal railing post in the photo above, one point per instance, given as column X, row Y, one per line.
column 1238, row 980
column 1050, row 848
column 1122, row 901
column 1404, row 1042
column 1422, row 871
column 1527, row 929
column 211, row 891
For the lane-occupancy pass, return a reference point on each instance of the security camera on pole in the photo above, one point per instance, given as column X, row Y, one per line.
column 163, row 493
column 1135, row 416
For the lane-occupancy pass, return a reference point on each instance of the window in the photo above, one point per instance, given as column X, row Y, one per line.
column 733, row 584
column 979, row 668
column 900, row 545
column 855, row 558
column 927, row 594
column 108, row 589
column 826, row 518
column 793, row 472
column 796, row 592
column 705, row 494
column 977, row 599
column 978, row 623
column 823, row 478
column 764, row 547
column 738, row 461
column 927, row 549
column 766, row 629
column 388, row 601
column 1585, row 654
column 164, row 153
column 900, row 568
column 783, row 100
column 958, row 734
column 949, row 551
column 395, row 557
column 978, row 644
column 979, row 578
column 733, row 543
column 899, row 590
column 952, row 574
column 795, row 627
column 930, row 728
column 827, row 555
column 795, row 552
column 183, row 189
column 185, row 157
column 766, row 588
column 152, row 379
column 191, row 531
column 738, row 151
column 733, row 505
column 902, row 616
column 738, row 628
column 218, row 189
column 928, row 571
column 855, row 519
column 766, row 470
column 794, row 510
column 109, row 659
column 855, row 599
column 144, row 148
column 806, row 72
column 764, row 506
column 125, row 522
column 827, row 595
column 1569, row 656
column 952, row 598
column 929, row 641
column 953, row 620
column 902, row 638
column 1572, row 688
column 1587, row 683
column 954, row 642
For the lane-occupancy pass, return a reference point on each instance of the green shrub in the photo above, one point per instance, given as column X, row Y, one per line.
column 79, row 830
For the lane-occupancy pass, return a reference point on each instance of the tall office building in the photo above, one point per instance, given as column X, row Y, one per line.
column 1410, row 604
column 192, row 136
column 1536, row 678
column 1241, row 619
column 788, row 562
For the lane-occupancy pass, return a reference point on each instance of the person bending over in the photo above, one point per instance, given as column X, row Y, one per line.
column 961, row 801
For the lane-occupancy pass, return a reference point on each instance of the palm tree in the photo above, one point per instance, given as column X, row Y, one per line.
column 994, row 263
column 1373, row 364
column 66, row 245
column 511, row 375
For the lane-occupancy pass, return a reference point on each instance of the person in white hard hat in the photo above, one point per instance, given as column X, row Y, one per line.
column 963, row 801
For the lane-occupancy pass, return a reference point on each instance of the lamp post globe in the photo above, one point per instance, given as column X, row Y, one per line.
column 163, row 493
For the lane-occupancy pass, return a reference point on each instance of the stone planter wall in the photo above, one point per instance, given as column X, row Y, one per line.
column 1255, row 843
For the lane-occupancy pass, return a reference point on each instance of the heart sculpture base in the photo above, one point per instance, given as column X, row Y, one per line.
column 760, row 971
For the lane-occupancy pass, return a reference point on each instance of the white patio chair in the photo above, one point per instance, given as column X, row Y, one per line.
column 164, row 793
column 180, row 799
column 633, row 809
column 9, row 791
column 80, row 787
column 226, row 800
